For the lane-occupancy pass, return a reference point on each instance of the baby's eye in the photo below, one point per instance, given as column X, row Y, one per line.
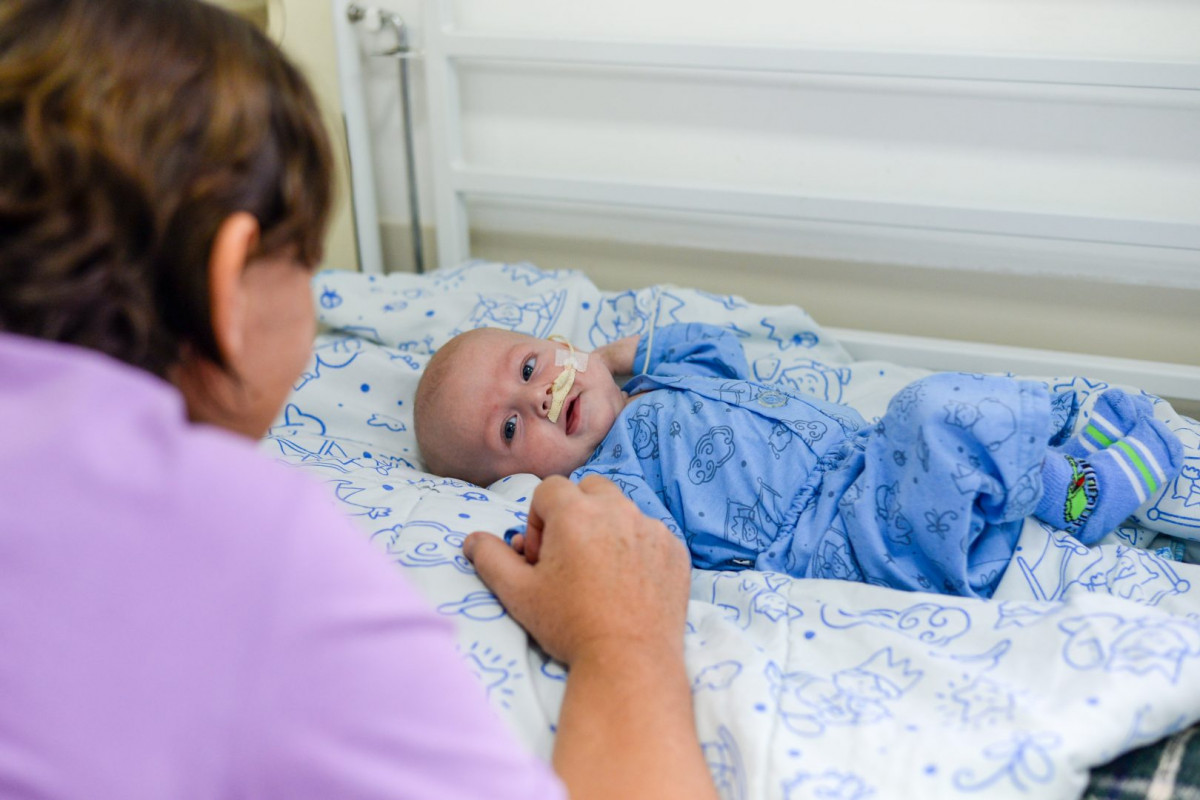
column 527, row 368
column 510, row 429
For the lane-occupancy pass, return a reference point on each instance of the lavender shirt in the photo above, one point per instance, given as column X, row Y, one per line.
column 181, row 618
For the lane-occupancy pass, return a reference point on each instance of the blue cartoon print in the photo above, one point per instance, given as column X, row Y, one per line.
column 935, row 624
column 861, row 695
column 748, row 598
column 1053, row 563
column 495, row 671
column 724, row 759
column 1024, row 760
column 1179, row 502
column 333, row 354
column 534, row 316
column 787, row 336
column 716, row 677
column 480, row 606
column 714, row 449
column 806, row 377
column 1138, row 646
column 643, row 430
column 424, row 543
column 831, row 784
column 758, row 524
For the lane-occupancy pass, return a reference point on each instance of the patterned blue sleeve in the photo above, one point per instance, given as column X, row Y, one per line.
column 675, row 480
column 691, row 348
column 635, row 486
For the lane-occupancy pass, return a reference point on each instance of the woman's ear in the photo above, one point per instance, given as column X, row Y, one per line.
column 236, row 239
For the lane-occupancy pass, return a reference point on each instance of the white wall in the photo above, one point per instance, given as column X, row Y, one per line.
column 304, row 29
column 1100, row 153
column 1118, row 28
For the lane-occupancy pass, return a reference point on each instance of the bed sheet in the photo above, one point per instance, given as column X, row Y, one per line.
column 802, row 688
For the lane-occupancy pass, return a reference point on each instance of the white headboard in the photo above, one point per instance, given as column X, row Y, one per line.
column 1140, row 117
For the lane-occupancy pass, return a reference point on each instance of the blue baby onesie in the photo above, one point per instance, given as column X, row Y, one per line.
column 753, row 476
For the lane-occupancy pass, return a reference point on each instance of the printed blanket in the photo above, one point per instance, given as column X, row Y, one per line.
column 802, row 689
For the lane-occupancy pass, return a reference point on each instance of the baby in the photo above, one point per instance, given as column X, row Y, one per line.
column 749, row 475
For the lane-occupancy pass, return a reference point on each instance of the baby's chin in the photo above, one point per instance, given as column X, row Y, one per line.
column 546, row 473
column 565, row 469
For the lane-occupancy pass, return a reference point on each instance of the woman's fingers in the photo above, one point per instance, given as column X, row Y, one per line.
column 501, row 569
column 594, row 570
column 596, row 485
column 532, row 545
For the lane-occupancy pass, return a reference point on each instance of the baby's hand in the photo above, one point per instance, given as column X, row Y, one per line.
column 524, row 542
column 618, row 355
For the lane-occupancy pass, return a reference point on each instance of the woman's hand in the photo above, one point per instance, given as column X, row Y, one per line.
column 593, row 571
column 604, row 588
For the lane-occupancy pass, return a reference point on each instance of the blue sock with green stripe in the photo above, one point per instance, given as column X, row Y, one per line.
column 1089, row 497
column 1114, row 415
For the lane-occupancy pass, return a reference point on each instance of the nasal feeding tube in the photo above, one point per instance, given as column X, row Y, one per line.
column 571, row 362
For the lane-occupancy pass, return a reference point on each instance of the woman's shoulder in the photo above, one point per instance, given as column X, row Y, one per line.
column 91, row 438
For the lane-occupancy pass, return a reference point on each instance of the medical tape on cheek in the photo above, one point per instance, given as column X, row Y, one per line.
column 571, row 362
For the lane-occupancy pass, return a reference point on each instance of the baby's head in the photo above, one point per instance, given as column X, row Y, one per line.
column 484, row 404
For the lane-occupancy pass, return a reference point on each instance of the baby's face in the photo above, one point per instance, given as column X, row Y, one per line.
column 496, row 401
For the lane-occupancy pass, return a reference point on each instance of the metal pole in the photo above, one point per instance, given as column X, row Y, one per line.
column 402, row 52
column 410, row 160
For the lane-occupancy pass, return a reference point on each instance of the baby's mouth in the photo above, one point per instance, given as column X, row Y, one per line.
column 572, row 415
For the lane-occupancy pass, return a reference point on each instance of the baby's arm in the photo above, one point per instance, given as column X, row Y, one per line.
column 692, row 348
column 618, row 355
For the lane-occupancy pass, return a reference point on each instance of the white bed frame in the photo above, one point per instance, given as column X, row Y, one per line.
column 454, row 179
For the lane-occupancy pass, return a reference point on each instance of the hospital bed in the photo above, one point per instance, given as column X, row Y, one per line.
column 802, row 689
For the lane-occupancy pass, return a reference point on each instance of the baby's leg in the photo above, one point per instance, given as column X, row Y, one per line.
column 1090, row 496
column 947, row 478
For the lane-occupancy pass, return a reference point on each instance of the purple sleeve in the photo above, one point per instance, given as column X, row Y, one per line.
column 360, row 693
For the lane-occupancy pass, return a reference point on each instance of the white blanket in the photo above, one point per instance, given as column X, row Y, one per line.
column 802, row 688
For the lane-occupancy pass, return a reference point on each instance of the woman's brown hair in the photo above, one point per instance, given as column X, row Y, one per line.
column 129, row 130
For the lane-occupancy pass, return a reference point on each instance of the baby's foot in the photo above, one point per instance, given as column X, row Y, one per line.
column 1114, row 415
column 1088, row 497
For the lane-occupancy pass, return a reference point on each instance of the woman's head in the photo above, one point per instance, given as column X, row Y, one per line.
column 130, row 132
